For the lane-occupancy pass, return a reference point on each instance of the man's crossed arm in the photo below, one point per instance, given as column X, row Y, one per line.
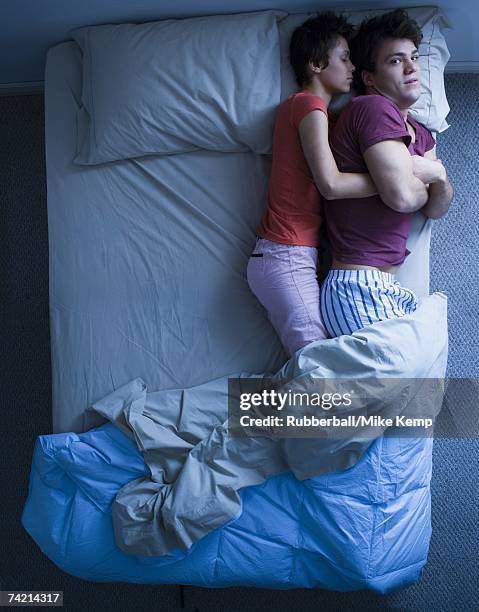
column 440, row 190
column 393, row 171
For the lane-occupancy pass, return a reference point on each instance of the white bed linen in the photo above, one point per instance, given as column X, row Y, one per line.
column 147, row 263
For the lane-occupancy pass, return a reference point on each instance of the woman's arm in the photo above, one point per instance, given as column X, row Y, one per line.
column 332, row 184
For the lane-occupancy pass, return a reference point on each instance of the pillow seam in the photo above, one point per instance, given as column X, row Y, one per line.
column 429, row 67
column 92, row 109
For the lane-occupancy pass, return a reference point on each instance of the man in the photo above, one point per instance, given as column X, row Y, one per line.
column 376, row 134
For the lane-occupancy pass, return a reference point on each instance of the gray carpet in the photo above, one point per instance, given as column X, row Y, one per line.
column 450, row 580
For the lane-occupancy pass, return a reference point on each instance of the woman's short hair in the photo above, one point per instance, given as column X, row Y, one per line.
column 372, row 32
column 312, row 41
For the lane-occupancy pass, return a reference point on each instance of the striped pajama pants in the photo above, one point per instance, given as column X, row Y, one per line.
column 352, row 299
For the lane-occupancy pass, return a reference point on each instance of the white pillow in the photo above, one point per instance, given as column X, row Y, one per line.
column 178, row 85
column 432, row 108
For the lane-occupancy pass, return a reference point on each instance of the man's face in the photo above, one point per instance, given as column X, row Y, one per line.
column 397, row 75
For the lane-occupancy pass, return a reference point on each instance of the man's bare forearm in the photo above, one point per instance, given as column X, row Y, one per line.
column 406, row 197
column 440, row 198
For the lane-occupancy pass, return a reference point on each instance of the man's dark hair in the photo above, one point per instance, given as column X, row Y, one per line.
column 312, row 41
column 372, row 32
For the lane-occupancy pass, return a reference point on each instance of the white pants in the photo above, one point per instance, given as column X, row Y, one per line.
column 352, row 299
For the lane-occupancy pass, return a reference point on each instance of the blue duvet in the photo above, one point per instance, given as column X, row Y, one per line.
column 365, row 527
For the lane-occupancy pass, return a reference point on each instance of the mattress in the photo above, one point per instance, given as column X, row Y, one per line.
column 146, row 269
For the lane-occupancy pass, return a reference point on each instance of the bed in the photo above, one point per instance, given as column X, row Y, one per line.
column 148, row 291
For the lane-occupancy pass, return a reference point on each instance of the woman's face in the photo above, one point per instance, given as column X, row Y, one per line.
column 337, row 77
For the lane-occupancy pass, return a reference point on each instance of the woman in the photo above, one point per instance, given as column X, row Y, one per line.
column 282, row 269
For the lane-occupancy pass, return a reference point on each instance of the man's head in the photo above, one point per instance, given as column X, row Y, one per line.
column 385, row 53
column 319, row 47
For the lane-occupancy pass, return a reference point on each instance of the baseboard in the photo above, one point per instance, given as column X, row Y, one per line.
column 21, row 89
column 452, row 67
column 35, row 87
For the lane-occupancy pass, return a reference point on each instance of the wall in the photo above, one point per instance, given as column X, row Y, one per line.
column 29, row 27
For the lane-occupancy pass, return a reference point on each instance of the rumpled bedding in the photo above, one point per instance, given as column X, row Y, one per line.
column 197, row 468
column 367, row 526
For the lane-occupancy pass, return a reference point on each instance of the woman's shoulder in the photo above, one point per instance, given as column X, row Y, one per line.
column 305, row 94
column 305, row 100
column 296, row 106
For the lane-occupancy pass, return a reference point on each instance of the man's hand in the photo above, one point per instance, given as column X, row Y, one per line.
column 428, row 170
column 440, row 192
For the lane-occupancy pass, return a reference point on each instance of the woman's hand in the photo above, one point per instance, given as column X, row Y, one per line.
column 428, row 170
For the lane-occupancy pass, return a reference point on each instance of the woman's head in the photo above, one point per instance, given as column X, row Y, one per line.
column 319, row 49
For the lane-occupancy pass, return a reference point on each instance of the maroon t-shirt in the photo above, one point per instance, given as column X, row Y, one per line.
column 366, row 231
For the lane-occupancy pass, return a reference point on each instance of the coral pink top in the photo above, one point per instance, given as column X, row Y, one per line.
column 294, row 210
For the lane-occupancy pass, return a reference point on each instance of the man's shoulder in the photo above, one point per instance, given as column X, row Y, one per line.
column 417, row 124
column 372, row 103
column 364, row 114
